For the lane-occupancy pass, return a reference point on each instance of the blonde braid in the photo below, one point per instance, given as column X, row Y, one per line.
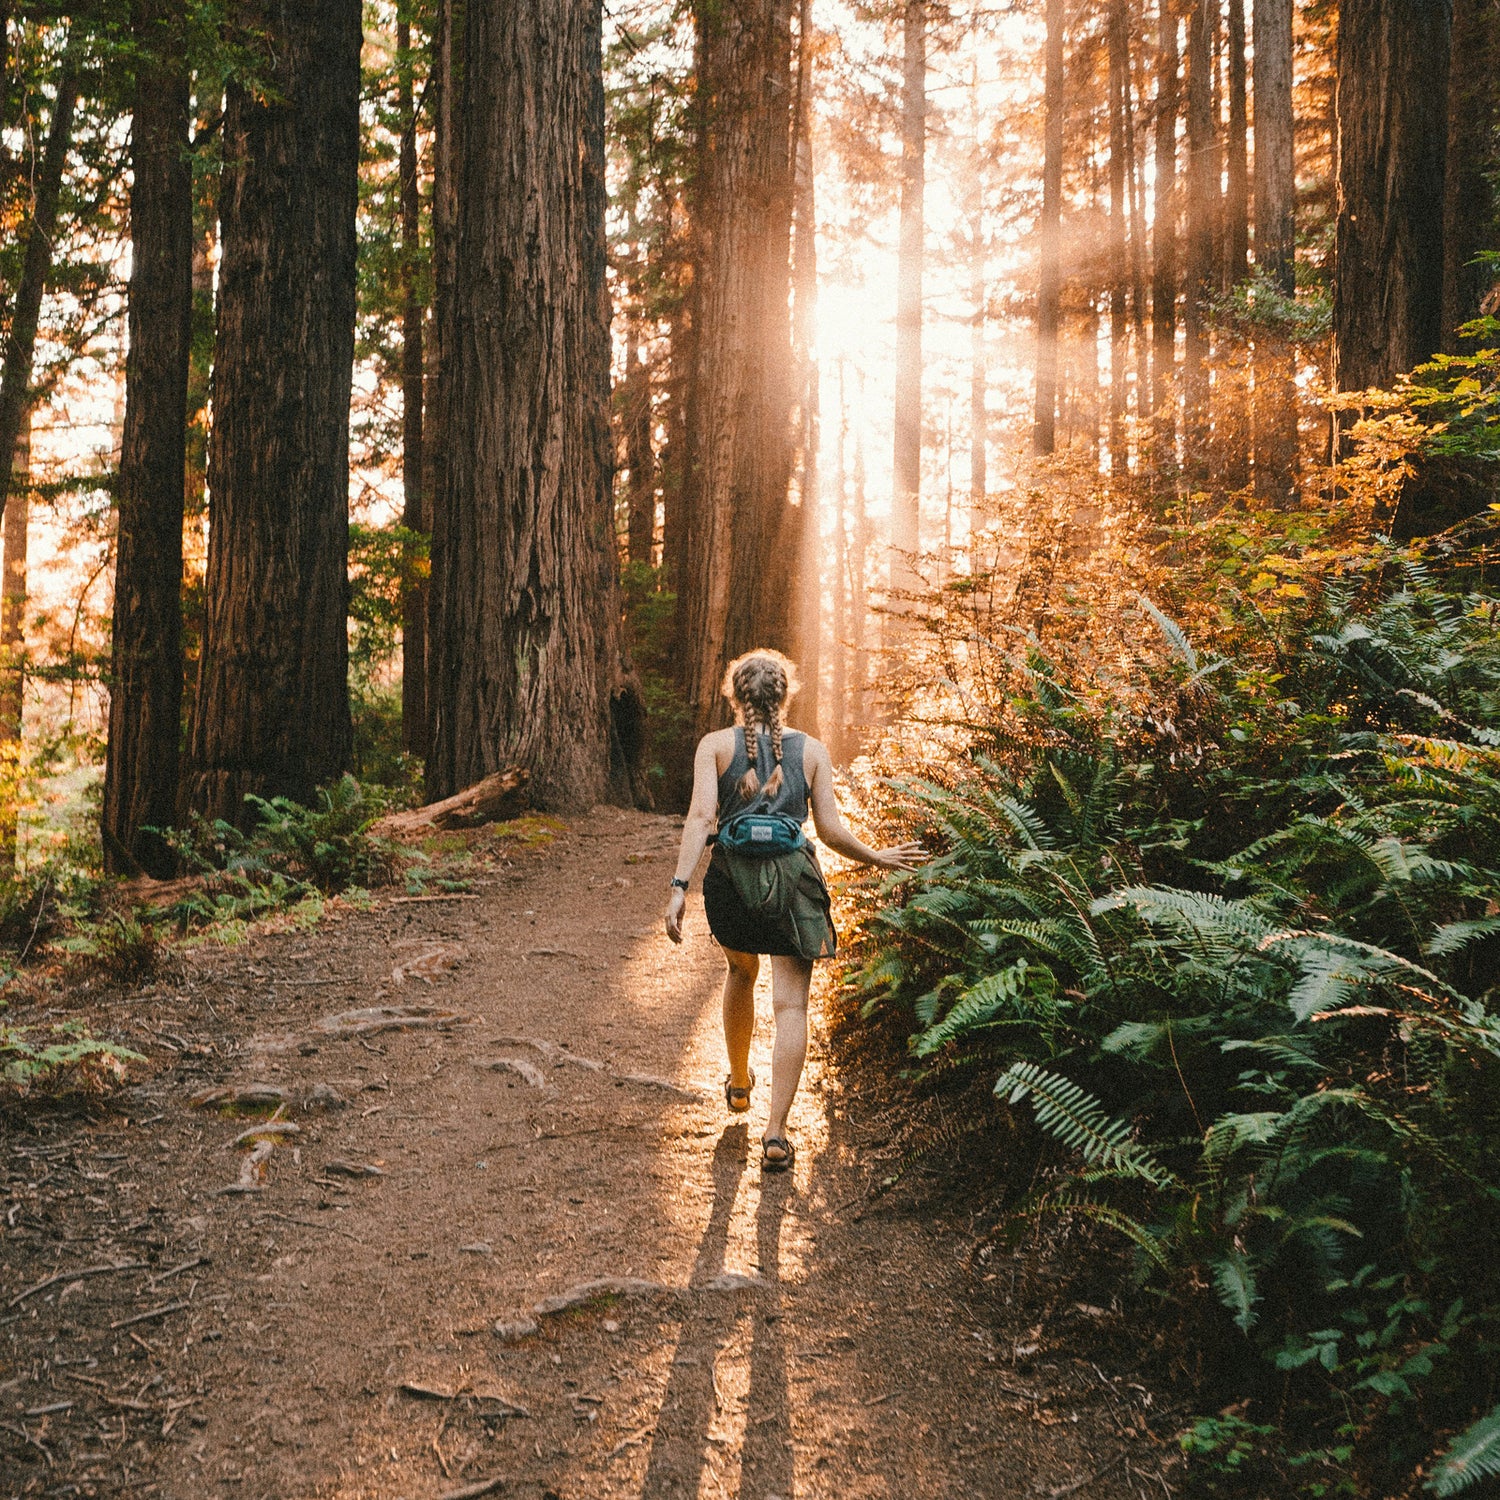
column 758, row 685
column 774, row 784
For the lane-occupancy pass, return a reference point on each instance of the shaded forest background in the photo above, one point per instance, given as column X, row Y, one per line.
column 1099, row 400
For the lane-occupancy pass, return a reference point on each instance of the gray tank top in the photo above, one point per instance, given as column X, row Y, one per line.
column 790, row 801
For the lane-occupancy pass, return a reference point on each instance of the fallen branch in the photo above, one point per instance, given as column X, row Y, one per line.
column 492, row 800
column 149, row 1316
column 475, row 1490
column 78, row 1274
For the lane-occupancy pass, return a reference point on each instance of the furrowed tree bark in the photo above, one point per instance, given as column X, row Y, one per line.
column 1388, row 246
column 36, row 266
column 145, row 701
column 906, row 501
column 1275, row 160
column 525, row 605
column 1202, row 205
column 733, row 584
column 1471, row 222
column 1049, row 240
column 271, row 714
column 414, row 515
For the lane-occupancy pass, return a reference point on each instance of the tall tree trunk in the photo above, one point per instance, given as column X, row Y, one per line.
column 1388, row 246
column 36, row 266
column 640, row 495
column 1049, row 241
column 1237, row 175
column 842, row 589
column 859, row 592
column 1119, row 211
column 271, row 715
column 1202, row 213
column 414, row 516
column 1164, row 242
column 13, row 588
column 979, row 375
column 734, row 589
column 1137, row 193
column 1275, row 146
column 906, row 502
column 525, row 638
column 1471, row 213
column 145, row 702
column 807, row 546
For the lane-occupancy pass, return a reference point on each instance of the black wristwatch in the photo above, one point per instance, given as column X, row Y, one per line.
column 680, row 885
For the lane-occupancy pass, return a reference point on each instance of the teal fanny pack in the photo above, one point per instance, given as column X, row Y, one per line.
column 764, row 835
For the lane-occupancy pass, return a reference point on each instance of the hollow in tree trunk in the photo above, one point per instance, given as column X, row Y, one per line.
column 271, row 713
column 145, row 702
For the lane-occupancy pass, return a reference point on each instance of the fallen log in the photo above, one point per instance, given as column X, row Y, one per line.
column 492, row 800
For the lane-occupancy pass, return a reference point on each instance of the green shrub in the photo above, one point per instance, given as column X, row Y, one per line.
column 1235, row 945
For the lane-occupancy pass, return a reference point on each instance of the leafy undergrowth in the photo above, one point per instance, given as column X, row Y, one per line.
column 1230, row 938
column 66, row 930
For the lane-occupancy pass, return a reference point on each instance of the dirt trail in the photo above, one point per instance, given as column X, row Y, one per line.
column 335, row 1336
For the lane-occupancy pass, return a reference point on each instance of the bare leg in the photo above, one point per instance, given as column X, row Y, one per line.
column 739, row 1013
column 790, row 979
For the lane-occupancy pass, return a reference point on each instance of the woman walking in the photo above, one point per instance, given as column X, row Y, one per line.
column 763, row 893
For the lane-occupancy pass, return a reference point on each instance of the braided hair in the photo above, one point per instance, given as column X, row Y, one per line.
column 758, row 684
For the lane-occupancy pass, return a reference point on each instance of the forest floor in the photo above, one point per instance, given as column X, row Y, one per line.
column 555, row 1130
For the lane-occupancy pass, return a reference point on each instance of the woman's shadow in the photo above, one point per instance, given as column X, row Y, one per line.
column 681, row 1441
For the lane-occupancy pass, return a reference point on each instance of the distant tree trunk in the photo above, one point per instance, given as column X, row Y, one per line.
column 525, row 604
column 734, row 588
column 1202, row 206
column 1237, row 176
column 979, row 418
column 807, row 546
column 1137, row 253
column 145, row 701
column 1119, row 272
column 859, row 593
column 13, row 588
column 414, row 516
column 271, row 715
column 640, row 495
column 673, row 459
column 446, row 68
column 1388, row 247
column 842, row 589
column 1470, row 209
column 906, row 502
column 36, row 266
column 1049, row 241
column 1164, row 241
column 1275, row 144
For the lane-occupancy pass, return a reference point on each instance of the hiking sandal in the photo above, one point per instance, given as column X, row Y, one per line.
column 738, row 1100
column 783, row 1163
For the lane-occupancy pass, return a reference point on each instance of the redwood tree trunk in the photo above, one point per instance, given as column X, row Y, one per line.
column 13, row 592
column 639, row 459
column 525, row 603
column 1470, row 210
column 1237, row 174
column 1275, row 162
column 271, row 714
column 1388, row 248
column 1202, row 205
column 1049, row 241
column 906, row 501
column 36, row 267
column 1164, row 239
column 807, row 545
column 1119, row 270
column 734, row 589
column 413, row 460
column 145, row 703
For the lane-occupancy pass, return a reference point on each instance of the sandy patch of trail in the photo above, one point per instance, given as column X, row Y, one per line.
column 517, row 1120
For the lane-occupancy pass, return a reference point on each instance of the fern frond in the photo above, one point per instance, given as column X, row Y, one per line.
column 978, row 1006
column 1234, row 1280
column 1075, row 1117
column 1472, row 1456
column 1175, row 635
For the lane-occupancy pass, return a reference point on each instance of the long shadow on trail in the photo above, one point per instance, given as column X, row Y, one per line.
column 680, row 1444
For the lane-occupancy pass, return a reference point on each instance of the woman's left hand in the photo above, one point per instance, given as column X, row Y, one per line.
column 908, row 856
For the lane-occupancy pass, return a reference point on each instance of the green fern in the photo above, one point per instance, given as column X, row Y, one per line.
column 1472, row 1457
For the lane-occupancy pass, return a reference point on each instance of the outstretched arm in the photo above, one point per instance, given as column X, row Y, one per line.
column 699, row 824
column 830, row 824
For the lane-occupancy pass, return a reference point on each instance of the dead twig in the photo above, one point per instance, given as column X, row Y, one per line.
column 475, row 1490
column 149, row 1316
column 77, row 1274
